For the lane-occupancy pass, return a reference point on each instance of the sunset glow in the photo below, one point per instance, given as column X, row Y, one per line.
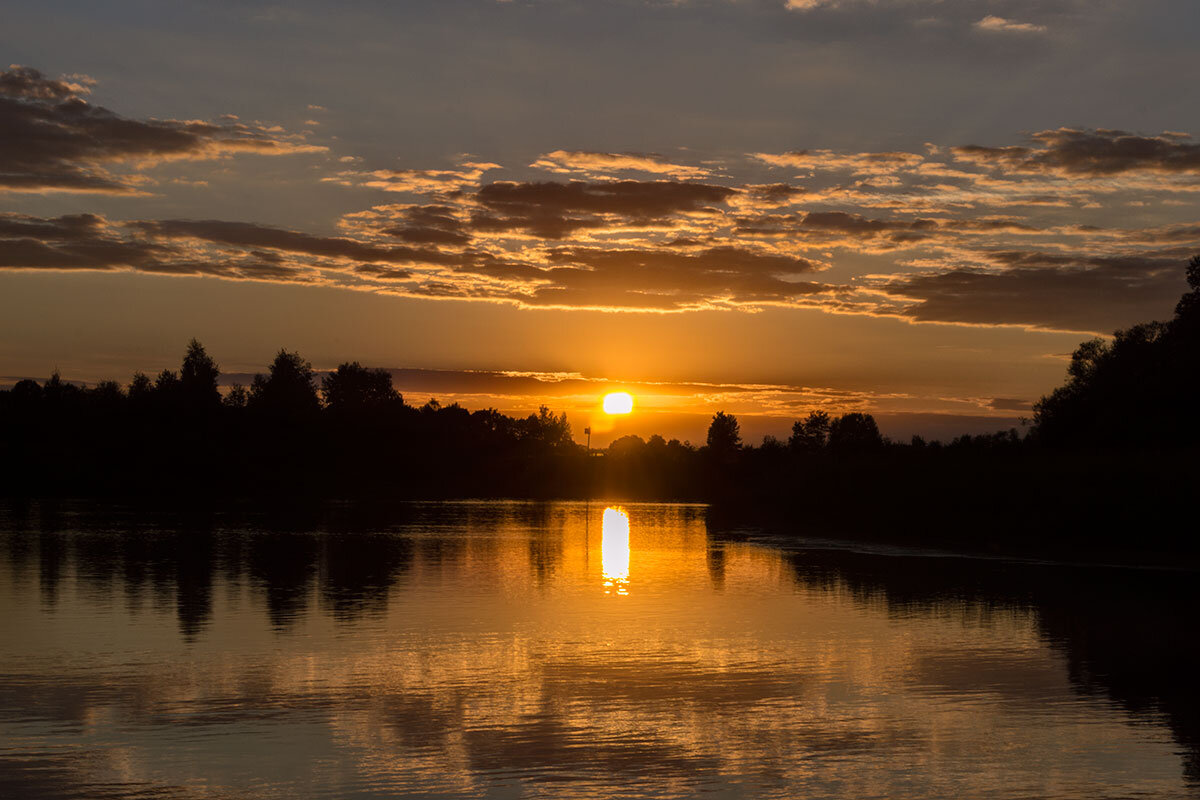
column 679, row 232
column 348, row 350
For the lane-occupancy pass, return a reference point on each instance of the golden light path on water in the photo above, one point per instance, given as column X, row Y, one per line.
column 546, row 650
column 614, row 549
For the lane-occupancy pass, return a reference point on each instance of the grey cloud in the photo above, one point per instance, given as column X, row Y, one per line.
column 87, row 241
column 553, row 210
column 1091, row 152
column 1054, row 292
column 51, row 139
column 1010, row 404
column 245, row 234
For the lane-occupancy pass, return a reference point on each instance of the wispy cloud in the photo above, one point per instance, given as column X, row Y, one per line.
column 598, row 165
column 996, row 24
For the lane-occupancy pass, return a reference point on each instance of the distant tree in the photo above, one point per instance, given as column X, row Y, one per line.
column 27, row 392
column 288, row 390
column 352, row 388
column 237, row 397
column 198, row 378
column 854, row 432
column 140, row 388
column 55, row 385
column 627, row 445
column 107, row 393
column 167, row 383
column 494, row 424
column 771, row 444
column 547, row 428
column 811, row 434
column 724, row 433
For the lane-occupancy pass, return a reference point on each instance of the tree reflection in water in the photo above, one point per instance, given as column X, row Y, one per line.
column 452, row 649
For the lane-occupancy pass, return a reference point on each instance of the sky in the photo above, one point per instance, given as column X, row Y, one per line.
column 915, row 208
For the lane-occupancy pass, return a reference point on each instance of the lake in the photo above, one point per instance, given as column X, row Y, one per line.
column 496, row 649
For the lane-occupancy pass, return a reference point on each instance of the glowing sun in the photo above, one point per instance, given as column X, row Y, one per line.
column 618, row 403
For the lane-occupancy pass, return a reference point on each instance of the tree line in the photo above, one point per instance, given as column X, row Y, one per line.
column 352, row 433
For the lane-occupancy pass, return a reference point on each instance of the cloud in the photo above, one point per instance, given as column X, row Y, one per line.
column 250, row 236
column 855, row 163
column 553, row 210
column 91, row 242
column 594, row 164
column 416, row 181
column 1049, row 291
column 1071, row 151
column 994, row 24
column 53, row 140
column 1010, row 404
column 971, row 234
column 671, row 281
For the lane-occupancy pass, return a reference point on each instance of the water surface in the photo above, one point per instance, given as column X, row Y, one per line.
column 570, row 650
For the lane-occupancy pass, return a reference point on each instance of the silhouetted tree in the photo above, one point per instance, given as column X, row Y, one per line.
column 26, row 393
column 198, row 378
column 288, row 389
column 140, row 388
column 547, row 428
column 629, row 445
column 166, row 381
column 352, row 388
column 854, row 432
column 1139, row 390
column 237, row 397
column 811, row 434
column 724, row 434
column 771, row 444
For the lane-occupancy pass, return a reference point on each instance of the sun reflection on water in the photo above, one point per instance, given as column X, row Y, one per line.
column 614, row 550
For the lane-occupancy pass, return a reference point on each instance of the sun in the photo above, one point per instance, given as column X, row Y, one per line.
column 618, row 403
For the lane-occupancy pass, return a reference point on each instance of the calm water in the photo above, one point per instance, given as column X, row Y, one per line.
column 568, row 650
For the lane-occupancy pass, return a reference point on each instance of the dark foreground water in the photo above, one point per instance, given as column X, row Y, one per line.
column 571, row 650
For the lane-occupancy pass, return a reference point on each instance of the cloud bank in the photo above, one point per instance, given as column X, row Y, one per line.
column 1042, row 233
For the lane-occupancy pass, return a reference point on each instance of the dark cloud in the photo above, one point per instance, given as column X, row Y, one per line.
column 81, row 241
column 552, row 210
column 90, row 242
column 1055, row 292
column 429, row 224
column 669, row 280
column 1091, row 152
column 840, row 227
column 23, row 82
column 51, row 139
column 249, row 235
